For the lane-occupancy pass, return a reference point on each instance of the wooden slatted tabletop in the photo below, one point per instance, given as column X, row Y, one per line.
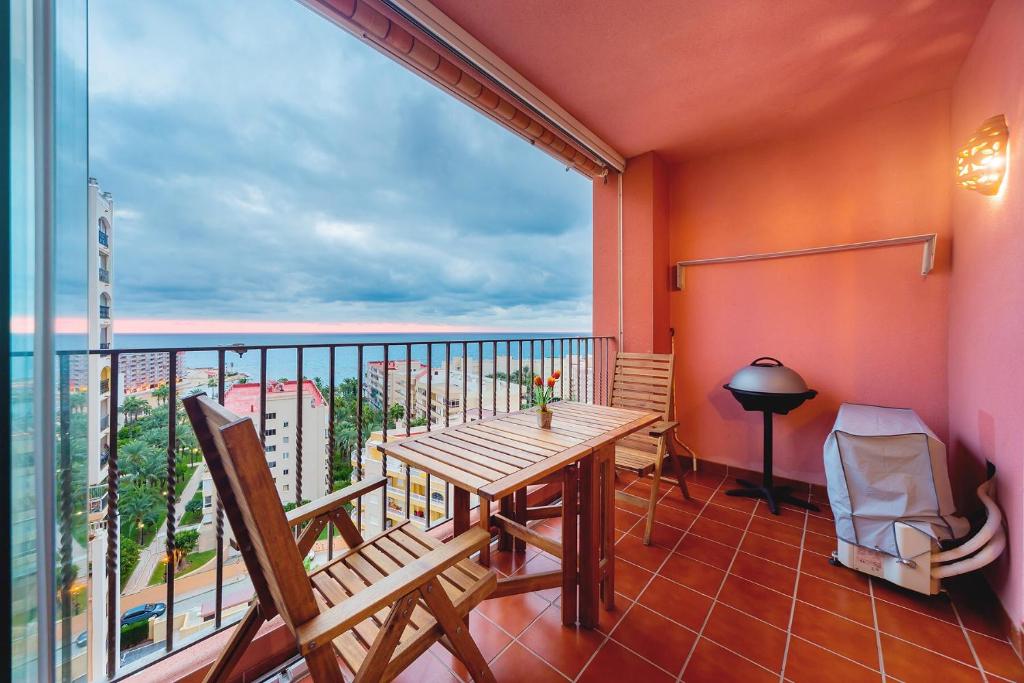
column 497, row 456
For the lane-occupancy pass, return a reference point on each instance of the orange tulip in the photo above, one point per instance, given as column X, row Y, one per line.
column 557, row 374
column 551, row 382
column 537, row 381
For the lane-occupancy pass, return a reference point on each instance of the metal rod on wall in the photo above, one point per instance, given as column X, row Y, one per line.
column 927, row 257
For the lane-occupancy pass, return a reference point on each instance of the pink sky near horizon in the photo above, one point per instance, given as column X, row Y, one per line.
column 71, row 325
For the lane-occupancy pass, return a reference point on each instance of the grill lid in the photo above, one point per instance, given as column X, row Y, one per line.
column 767, row 375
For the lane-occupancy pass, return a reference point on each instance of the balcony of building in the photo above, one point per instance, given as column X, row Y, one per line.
column 765, row 180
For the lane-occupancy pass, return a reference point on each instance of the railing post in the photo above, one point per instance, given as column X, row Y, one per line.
column 359, row 430
column 331, row 446
column 219, row 515
column 113, row 541
column 172, row 398
column 383, row 455
column 300, row 383
column 65, row 513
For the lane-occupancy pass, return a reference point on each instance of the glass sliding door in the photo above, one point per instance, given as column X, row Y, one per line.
column 45, row 171
column 18, row 404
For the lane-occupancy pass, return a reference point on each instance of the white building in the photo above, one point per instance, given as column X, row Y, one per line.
column 97, row 368
column 373, row 380
column 280, row 437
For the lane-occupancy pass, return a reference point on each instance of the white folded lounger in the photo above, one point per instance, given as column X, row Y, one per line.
column 888, row 486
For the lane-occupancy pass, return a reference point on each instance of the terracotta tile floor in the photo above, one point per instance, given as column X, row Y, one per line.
column 729, row 592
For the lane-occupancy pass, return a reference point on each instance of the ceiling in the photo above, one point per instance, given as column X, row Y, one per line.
column 687, row 77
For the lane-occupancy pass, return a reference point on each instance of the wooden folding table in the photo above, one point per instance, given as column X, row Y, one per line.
column 498, row 457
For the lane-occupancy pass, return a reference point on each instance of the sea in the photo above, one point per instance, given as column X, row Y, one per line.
column 281, row 363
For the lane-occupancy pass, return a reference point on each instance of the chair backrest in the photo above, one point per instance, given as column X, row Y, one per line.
column 643, row 381
column 238, row 467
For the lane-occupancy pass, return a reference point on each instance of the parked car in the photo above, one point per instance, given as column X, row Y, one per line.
column 143, row 613
column 82, row 639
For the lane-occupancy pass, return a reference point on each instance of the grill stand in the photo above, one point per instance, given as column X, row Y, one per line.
column 766, row 490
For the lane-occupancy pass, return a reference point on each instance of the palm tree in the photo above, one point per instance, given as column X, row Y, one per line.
column 161, row 393
column 133, row 406
column 132, row 453
column 186, row 441
column 133, row 503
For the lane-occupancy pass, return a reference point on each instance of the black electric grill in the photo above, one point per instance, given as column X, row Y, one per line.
column 769, row 387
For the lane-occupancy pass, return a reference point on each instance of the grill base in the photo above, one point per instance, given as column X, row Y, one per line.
column 773, row 495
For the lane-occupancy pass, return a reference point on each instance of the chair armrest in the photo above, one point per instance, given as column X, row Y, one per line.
column 661, row 428
column 333, row 501
column 320, row 630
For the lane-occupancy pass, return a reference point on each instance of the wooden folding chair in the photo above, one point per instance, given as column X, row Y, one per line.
column 376, row 607
column 644, row 381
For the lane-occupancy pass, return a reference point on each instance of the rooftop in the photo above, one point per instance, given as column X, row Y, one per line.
column 243, row 397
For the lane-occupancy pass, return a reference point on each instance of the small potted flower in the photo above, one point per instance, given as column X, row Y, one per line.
column 544, row 395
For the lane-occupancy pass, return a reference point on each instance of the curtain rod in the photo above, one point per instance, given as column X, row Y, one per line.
column 927, row 257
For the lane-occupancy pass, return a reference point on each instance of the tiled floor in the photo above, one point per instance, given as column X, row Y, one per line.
column 729, row 592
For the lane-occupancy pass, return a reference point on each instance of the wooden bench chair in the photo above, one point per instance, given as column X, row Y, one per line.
column 644, row 381
column 376, row 607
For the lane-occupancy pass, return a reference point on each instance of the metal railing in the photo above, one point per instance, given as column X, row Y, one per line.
column 104, row 312
column 104, row 275
column 507, row 365
column 104, row 240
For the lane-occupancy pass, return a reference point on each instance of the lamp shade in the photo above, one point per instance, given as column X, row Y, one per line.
column 981, row 163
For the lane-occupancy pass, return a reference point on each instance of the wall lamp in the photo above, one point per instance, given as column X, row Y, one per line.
column 981, row 163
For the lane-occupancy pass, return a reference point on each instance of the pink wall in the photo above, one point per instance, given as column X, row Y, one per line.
column 645, row 251
column 986, row 335
column 606, row 258
column 862, row 326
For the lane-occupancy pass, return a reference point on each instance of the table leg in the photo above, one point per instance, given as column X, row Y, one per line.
column 485, row 523
column 569, row 562
column 460, row 510
column 519, row 545
column 505, row 538
column 607, row 456
column 590, row 540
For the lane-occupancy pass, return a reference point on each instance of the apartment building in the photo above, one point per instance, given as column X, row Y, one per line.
column 144, row 371
column 481, row 398
column 373, row 380
column 94, row 376
column 420, row 497
column 280, row 436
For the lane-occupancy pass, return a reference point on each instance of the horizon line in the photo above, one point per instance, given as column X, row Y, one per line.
column 79, row 325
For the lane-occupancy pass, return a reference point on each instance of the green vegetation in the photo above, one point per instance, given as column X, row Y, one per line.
column 194, row 510
column 133, row 634
column 346, row 433
column 132, row 407
column 193, row 561
column 142, row 461
column 129, row 558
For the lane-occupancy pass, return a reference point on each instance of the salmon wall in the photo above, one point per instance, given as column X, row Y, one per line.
column 986, row 333
column 858, row 326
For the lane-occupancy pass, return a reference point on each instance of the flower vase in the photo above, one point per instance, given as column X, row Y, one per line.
column 544, row 419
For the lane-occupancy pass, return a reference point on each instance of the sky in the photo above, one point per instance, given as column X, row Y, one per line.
column 267, row 167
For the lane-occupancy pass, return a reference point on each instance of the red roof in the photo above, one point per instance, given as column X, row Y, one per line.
column 245, row 397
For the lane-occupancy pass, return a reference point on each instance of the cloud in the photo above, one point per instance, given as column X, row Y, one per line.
column 278, row 169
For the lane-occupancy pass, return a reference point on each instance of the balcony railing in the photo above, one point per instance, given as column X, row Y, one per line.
column 104, row 312
column 506, row 364
column 104, row 275
column 104, row 240
column 104, row 386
